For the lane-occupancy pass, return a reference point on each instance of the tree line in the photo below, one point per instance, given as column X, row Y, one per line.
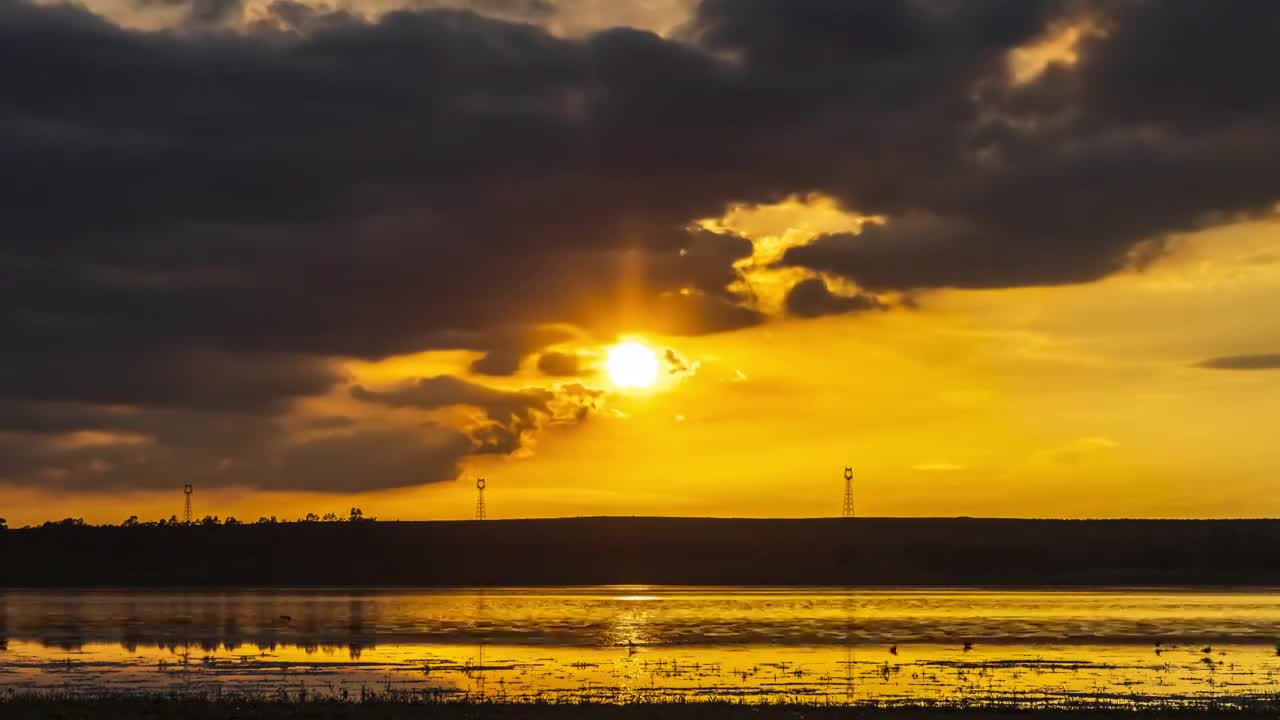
column 356, row 515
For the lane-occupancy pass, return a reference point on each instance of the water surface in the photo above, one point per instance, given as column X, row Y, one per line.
column 625, row 643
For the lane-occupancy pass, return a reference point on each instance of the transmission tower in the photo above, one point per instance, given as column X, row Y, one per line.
column 186, row 511
column 480, row 511
column 848, row 492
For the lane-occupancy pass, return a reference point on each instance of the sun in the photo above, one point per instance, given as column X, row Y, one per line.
column 632, row 365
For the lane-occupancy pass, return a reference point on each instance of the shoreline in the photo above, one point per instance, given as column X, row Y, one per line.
column 22, row 706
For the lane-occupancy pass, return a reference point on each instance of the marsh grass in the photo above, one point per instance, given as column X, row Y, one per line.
column 391, row 704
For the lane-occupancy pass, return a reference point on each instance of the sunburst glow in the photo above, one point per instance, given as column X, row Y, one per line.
column 632, row 365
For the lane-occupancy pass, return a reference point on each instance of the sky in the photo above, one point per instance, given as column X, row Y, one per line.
column 1002, row 257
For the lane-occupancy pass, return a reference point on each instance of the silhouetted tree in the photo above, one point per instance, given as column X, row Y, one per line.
column 131, row 522
column 4, row 525
column 330, row 517
column 209, row 521
column 231, row 521
column 311, row 517
column 356, row 514
column 65, row 523
column 173, row 519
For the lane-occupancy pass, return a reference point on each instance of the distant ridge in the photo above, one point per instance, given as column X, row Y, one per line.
column 653, row 550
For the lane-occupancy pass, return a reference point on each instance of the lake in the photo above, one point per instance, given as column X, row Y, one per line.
column 629, row 643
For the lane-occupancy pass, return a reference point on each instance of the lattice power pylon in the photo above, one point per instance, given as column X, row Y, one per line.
column 186, row 510
column 480, row 509
column 848, row 493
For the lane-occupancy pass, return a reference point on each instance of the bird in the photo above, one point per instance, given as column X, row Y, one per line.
column 1206, row 649
column 968, row 646
column 893, row 649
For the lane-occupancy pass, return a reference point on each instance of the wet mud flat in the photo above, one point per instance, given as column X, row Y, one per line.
column 1122, row 648
column 1170, row 676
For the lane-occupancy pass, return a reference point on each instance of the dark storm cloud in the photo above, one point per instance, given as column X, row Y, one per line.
column 169, row 448
column 78, row 446
column 1083, row 172
column 23, row 417
column 92, row 447
column 206, row 223
column 512, row 415
column 514, row 9
column 695, row 313
column 330, row 422
column 164, row 377
column 199, row 13
column 506, row 350
column 811, row 298
column 426, row 181
column 559, row 364
column 372, row 460
column 1263, row 361
column 445, row 391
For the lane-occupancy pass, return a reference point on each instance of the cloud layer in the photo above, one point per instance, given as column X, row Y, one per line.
column 1263, row 361
column 200, row 225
